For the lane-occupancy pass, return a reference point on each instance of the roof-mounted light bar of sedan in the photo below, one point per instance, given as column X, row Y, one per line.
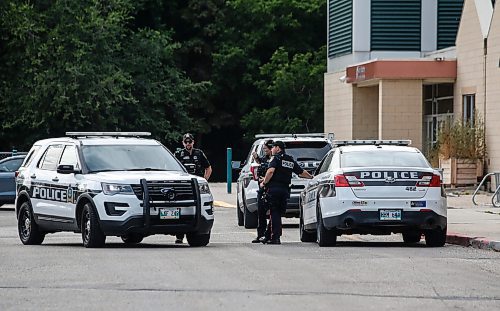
column 338, row 143
column 107, row 134
column 329, row 135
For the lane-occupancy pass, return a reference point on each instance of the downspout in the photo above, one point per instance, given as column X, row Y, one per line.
column 485, row 53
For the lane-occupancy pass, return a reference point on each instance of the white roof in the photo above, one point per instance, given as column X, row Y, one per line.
column 360, row 148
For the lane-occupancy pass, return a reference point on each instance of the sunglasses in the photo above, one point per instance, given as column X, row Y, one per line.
column 188, row 141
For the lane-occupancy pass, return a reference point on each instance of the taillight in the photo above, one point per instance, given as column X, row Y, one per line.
column 347, row 181
column 16, row 173
column 341, row 181
column 253, row 170
column 429, row 181
column 354, row 181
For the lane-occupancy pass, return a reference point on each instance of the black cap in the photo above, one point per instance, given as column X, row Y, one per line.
column 269, row 143
column 280, row 144
column 187, row 136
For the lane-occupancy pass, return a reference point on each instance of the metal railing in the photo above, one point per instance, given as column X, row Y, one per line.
column 14, row 152
column 495, row 199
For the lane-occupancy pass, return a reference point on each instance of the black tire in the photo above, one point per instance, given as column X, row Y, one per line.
column 435, row 237
column 92, row 235
column 239, row 214
column 132, row 238
column 324, row 237
column 304, row 235
column 250, row 219
column 28, row 230
column 412, row 236
column 195, row 239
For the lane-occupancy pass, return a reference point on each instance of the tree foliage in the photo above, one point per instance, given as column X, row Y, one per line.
column 81, row 65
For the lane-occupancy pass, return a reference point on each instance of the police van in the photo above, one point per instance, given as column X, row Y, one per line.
column 109, row 184
column 307, row 149
column 374, row 187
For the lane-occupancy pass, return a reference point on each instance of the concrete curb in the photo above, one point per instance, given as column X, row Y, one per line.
column 476, row 242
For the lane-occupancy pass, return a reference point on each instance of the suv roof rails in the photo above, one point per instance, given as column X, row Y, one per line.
column 376, row 142
column 108, row 134
column 322, row 135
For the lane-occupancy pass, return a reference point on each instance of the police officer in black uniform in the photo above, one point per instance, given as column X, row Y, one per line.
column 261, row 204
column 195, row 162
column 277, row 180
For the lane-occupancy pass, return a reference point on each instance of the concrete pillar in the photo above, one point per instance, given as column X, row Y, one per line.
column 400, row 110
column 365, row 112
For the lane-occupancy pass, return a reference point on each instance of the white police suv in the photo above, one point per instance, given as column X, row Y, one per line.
column 109, row 184
column 307, row 149
column 374, row 187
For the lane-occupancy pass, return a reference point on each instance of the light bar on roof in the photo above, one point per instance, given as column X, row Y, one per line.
column 402, row 142
column 290, row 135
column 113, row 134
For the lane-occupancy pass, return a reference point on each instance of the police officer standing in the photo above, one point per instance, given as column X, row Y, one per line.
column 195, row 162
column 261, row 204
column 277, row 180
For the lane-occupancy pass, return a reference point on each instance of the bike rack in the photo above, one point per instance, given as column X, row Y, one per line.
column 495, row 199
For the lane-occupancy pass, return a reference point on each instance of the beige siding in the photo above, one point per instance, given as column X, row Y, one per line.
column 493, row 93
column 400, row 110
column 470, row 60
column 338, row 106
column 365, row 112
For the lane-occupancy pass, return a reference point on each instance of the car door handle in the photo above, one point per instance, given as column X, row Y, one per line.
column 55, row 179
column 33, row 176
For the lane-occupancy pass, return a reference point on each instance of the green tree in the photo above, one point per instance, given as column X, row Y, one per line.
column 82, row 65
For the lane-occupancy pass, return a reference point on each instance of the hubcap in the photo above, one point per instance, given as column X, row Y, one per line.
column 26, row 225
column 87, row 227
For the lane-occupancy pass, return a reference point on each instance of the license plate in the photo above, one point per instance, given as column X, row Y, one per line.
column 170, row 213
column 387, row 214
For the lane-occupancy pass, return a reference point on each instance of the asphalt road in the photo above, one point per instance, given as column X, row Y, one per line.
column 361, row 273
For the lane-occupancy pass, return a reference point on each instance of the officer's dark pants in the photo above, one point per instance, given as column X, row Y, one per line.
column 261, row 213
column 277, row 197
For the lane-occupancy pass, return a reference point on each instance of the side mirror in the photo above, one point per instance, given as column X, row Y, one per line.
column 66, row 169
column 236, row 165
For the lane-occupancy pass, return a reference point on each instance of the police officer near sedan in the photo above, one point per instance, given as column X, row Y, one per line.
column 277, row 181
column 195, row 161
column 261, row 200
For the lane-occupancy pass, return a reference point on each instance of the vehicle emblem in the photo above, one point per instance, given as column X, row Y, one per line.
column 390, row 180
column 169, row 193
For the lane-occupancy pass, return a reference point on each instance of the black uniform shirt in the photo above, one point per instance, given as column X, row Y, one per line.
column 264, row 164
column 284, row 165
column 195, row 163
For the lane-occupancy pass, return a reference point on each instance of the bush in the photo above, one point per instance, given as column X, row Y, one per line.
column 462, row 140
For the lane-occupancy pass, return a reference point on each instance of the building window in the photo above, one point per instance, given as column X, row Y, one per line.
column 469, row 108
column 438, row 109
column 339, row 27
column 396, row 25
column 449, row 13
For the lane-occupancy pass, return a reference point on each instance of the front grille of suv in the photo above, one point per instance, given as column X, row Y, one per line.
column 183, row 190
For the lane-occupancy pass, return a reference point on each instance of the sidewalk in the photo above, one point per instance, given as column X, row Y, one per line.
column 468, row 225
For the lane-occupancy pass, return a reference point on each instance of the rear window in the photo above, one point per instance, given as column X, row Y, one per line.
column 383, row 158
column 307, row 150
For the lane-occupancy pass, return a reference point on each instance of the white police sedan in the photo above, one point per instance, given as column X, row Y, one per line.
column 374, row 187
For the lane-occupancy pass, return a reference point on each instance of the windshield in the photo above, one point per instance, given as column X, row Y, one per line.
column 383, row 158
column 307, row 150
column 101, row 158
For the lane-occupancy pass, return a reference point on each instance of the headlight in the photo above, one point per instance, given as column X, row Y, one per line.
column 111, row 189
column 204, row 189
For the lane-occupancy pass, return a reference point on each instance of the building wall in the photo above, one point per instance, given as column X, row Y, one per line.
column 470, row 60
column 365, row 112
column 493, row 93
column 400, row 110
column 338, row 106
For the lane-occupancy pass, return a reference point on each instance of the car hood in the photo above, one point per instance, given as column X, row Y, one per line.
column 134, row 177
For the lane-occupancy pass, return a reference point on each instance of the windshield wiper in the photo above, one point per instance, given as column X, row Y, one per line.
column 105, row 170
column 146, row 169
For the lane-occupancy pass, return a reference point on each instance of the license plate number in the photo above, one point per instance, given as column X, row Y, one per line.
column 386, row 214
column 170, row 213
